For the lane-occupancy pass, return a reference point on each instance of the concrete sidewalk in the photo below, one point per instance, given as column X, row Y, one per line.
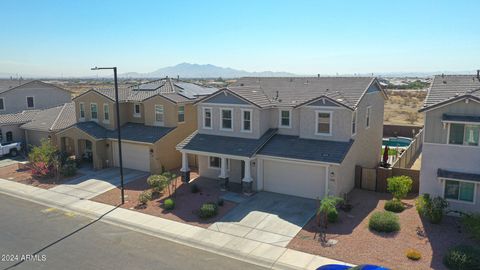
column 252, row 251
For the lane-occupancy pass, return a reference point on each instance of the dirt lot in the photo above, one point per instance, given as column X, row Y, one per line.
column 402, row 107
column 357, row 244
column 13, row 173
column 186, row 203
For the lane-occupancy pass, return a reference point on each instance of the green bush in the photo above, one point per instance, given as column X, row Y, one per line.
column 462, row 257
column 399, row 186
column 432, row 209
column 394, row 205
column 208, row 210
column 69, row 168
column 332, row 215
column 144, row 197
column 168, row 204
column 472, row 224
column 157, row 182
column 384, row 222
column 194, row 188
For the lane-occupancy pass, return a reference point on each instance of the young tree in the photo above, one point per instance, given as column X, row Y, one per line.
column 327, row 205
column 43, row 158
column 399, row 186
column 171, row 182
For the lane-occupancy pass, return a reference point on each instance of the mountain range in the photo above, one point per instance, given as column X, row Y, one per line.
column 187, row 70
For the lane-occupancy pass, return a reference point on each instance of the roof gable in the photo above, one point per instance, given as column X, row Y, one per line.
column 36, row 82
column 225, row 96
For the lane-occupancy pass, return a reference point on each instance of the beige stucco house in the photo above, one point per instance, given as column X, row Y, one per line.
column 296, row 136
column 154, row 118
column 451, row 150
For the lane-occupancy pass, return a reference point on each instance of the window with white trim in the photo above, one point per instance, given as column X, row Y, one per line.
column 93, row 111
column 246, row 120
column 459, row 191
column 463, row 134
column 226, row 119
column 136, row 110
column 30, row 103
column 106, row 113
column 324, row 123
column 367, row 117
column 207, row 118
column 354, row 123
column 159, row 114
column 181, row 114
column 216, row 162
column 82, row 110
column 2, row 104
column 285, row 118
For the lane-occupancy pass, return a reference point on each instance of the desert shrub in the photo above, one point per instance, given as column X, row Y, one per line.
column 332, row 215
column 208, row 210
column 384, row 222
column 168, row 204
column 462, row 257
column 157, row 182
column 413, row 254
column 472, row 224
column 432, row 209
column 144, row 197
column 399, row 186
column 220, row 202
column 194, row 188
column 41, row 169
column 395, row 206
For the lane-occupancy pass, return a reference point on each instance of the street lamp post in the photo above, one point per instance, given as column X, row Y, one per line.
column 119, row 136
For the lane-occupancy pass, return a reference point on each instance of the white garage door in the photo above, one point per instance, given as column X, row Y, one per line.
column 134, row 156
column 296, row 179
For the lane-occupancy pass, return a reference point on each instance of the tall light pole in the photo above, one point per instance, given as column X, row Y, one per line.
column 119, row 136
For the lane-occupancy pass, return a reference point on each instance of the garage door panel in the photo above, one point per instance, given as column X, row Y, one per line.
column 295, row 179
column 134, row 156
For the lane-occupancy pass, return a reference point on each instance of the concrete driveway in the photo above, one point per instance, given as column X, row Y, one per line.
column 94, row 183
column 268, row 217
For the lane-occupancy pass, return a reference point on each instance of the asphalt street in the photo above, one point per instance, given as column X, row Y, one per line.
column 48, row 238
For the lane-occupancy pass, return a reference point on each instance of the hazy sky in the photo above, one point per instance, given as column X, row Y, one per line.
column 305, row 37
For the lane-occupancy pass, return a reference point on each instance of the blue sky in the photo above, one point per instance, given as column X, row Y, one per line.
column 305, row 37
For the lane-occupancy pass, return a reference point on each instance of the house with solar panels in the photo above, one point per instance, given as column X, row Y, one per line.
column 451, row 150
column 154, row 117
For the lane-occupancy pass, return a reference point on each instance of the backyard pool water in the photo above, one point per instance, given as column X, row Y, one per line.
column 396, row 141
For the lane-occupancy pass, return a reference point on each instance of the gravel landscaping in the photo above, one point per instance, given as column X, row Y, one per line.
column 358, row 245
column 186, row 203
column 21, row 174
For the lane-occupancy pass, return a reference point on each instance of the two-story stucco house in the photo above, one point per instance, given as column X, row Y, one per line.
column 154, row 118
column 451, row 151
column 297, row 136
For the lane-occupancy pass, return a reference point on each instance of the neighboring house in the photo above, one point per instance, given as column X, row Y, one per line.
column 33, row 95
column 451, row 151
column 154, row 118
column 297, row 136
column 47, row 122
column 10, row 130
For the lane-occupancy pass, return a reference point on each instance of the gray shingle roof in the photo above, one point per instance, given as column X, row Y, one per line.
column 298, row 90
column 460, row 118
column 306, row 149
column 451, row 87
column 225, row 144
column 130, row 131
column 13, row 84
column 18, row 118
column 458, row 175
column 7, row 84
column 53, row 119
column 176, row 91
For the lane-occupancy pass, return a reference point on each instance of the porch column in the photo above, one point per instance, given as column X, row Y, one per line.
column 247, row 180
column 223, row 174
column 185, row 169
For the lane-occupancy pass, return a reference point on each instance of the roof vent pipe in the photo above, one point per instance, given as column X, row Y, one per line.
column 178, row 78
column 276, row 97
column 478, row 74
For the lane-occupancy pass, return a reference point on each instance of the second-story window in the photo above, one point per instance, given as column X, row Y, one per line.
column 464, row 134
column 207, row 118
column 226, row 119
column 82, row 111
column 93, row 111
column 285, row 118
column 2, row 104
column 324, row 123
column 181, row 114
column 246, row 120
column 354, row 122
column 30, row 103
column 136, row 110
column 367, row 117
column 106, row 113
column 159, row 114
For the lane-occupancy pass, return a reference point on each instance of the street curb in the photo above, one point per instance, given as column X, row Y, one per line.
column 187, row 241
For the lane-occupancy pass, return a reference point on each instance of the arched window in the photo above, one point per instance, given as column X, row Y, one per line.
column 9, row 136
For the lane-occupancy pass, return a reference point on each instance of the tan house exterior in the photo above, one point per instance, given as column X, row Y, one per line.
column 296, row 136
column 154, row 118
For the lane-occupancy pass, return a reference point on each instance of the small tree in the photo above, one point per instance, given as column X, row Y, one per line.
column 44, row 159
column 327, row 205
column 399, row 186
column 171, row 182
